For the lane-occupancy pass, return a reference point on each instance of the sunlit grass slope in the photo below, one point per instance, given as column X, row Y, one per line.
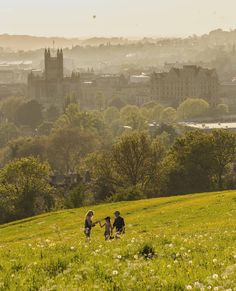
column 193, row 236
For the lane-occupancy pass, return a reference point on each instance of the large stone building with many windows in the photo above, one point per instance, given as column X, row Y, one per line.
column 52, row 86
column 91, row 91
column 180, row 83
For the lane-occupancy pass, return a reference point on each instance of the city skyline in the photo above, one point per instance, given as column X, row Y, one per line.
column 87, row 18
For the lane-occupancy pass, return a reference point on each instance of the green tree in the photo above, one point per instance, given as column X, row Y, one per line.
column 189, row 165
column 8, row 132
column 10, row 106
column 100, row 101
column 222, row 109
column 168, row 115
column 111, row 114
column 224, row 152
column 156, row 112
column 73, row 114
column 52, row 113
column 145, row 113
column 76, row 196
column 45, row 128
column 131, row 116
column 168, row 132
column 30, row 114
column 25, row 185
column 100, row 166
column 24, row 147
column 135, row 120
column 68, row 101
column 128, row 109
column 128, row 194
column 150, row 104
column 75, row 118
column 117, row 102
column 192, row 108
column 95, row 121
column 157, row 154
column 116, row 127
column 68, row 145
column 131, row 155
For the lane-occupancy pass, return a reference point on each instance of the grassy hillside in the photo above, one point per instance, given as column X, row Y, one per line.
column 194, row 239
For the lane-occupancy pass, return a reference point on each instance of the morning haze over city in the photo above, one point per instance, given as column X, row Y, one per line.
column 118, row 145
column 132, row 18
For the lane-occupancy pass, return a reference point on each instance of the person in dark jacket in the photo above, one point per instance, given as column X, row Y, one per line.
column 119, row 224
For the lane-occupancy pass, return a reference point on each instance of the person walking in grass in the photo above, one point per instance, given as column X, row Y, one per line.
column 108, row 228
column 88, row 224
column 119, row 224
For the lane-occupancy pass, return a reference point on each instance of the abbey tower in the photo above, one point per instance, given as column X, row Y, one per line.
column 53, row 65
column 52, row 87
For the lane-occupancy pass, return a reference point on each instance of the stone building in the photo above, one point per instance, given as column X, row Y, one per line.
column 100, row 90
column 52, row 86
column 14, row 89
column 92, row 91
column 180, row 83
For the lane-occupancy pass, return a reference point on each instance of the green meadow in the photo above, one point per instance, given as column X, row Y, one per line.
column 175, row 243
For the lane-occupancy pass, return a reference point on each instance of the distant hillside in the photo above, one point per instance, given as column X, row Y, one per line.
column 26, row 42
column 175, row 243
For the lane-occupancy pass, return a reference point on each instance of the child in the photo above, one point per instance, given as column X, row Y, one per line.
column 108, row 228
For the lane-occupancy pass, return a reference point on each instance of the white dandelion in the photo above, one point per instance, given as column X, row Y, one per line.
column 215, row 276
column 114, row 272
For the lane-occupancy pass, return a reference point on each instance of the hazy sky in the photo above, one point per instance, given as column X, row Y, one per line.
column 115, row 17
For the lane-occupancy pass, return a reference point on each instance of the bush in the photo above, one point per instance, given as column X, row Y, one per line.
column 76, row 197
column 147, row 251
column 192, row 108
column 25, row 190
column 128, row 194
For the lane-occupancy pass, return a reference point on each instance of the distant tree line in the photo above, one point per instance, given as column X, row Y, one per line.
column 122, row 153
